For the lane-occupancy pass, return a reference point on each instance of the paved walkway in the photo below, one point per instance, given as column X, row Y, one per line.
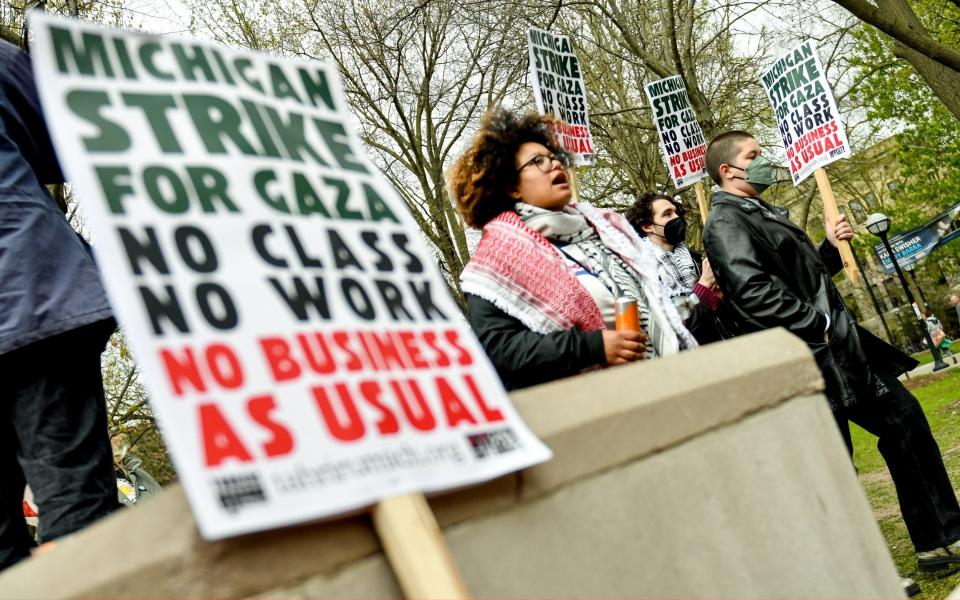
column 952, row 363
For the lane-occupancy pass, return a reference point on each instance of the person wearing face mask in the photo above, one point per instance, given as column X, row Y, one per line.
column 659, row 220
column 771, row 275
column 541, row 284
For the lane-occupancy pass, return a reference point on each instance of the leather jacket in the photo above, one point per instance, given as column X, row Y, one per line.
column 772, row 276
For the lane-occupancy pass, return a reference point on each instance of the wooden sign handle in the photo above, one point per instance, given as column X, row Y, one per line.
column 701, row 199
column 415, row 547
column 832, row 212
column 574, row 188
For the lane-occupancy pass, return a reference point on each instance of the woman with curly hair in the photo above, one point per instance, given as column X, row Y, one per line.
column 541, row 285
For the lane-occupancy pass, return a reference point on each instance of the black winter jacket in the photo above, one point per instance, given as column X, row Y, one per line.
column 772, row 276
column 524, row 358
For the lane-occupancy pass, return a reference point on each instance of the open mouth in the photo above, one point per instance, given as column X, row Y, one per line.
column 559, row 179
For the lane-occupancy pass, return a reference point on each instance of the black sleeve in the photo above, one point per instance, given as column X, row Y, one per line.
column 524, row 358
column 831, row 257
column 702, row 324
column 26, row 125
column 748, row 285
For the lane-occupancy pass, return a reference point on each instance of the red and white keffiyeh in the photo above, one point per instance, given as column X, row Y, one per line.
column 523, row 274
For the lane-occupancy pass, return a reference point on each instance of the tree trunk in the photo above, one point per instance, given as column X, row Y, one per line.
column 936, row 63
column 944, row 82
column 889, row 17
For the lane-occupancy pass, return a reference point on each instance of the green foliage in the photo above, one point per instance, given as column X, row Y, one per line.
column 938, row 395
column 896, row 96
column 129, row 417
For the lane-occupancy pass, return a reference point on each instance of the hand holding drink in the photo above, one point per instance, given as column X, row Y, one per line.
column 626, row 344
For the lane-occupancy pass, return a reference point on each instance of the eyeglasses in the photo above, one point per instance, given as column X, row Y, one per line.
column 544, row 163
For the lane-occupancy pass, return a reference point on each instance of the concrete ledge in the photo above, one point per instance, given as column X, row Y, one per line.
column 602, row 419
column 595, row 424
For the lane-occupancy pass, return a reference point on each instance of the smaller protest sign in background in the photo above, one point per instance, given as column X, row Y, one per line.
column 301, row 351
column 681, row 139
column 559, row 90
column 806, row 112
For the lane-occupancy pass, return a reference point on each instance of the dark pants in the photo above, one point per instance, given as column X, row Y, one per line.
column 53, row 435
column 927, row 501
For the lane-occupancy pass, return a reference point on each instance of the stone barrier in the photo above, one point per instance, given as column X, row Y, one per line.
column 717, row 473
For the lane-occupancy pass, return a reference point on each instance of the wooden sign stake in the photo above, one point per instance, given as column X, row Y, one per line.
column 574, row 189
column 415, row 547
column 832, row 212
column 701, row 200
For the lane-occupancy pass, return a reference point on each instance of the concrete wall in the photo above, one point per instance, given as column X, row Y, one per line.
column 716, row 473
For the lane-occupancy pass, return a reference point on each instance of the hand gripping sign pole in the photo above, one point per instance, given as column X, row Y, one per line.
column 268, row 424
column 832, row 212
column 810, row 127
column 681, row 140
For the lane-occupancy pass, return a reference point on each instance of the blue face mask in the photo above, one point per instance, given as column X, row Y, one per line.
column 759, row 174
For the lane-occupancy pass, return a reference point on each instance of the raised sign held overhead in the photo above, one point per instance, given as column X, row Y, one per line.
column 807, row 116
column 810, row 127
column 681, row 139
column 301, row 351
column 559, row 90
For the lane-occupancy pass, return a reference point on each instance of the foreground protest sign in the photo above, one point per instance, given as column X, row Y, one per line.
column 913, row 246
column 681, row 139
column 559, row 90
column 301, row 351
column 810, row 127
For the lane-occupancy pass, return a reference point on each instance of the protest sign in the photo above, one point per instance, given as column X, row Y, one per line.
column 559, row 90
column 806, row 112
column 913, row 246
column 681, row 139
column 301, row 351
column 810, row 127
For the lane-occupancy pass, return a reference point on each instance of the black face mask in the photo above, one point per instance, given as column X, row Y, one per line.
column 675, row 231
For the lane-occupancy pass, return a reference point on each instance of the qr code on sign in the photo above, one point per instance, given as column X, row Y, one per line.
column 235, row 491
column 497, row 441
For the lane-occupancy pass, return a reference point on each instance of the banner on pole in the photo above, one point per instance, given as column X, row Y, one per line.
column 681, row 139
column 301, row 351
column 913, row 246
column 559, row 90
column 807, row 117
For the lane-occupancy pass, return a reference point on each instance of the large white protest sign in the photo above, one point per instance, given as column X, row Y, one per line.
column 302, row 353
column 681, row 139
column 559, row 90
column 806, row 113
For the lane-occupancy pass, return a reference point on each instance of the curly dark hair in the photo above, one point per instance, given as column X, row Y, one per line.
column 641, row 212
column 483, row 176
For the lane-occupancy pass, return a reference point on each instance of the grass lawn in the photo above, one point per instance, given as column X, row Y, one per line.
column 926, row 357
column 940, row 396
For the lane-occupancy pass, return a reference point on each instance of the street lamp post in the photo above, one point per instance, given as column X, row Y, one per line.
column 879, row 225
column 876, row 303
column 916, row 283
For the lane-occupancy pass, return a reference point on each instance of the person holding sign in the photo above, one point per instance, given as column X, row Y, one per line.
column 658, row 218
column 542, row 284
column 772, row 276
column 54, row 323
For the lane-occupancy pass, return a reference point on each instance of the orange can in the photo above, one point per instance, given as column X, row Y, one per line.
column 626, row 314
